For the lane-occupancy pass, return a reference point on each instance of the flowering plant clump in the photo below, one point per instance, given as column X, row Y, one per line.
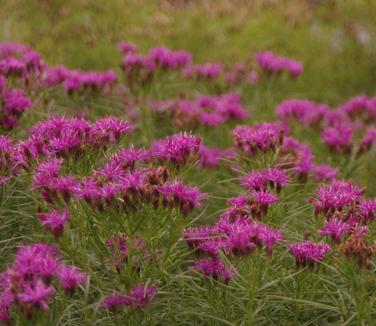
column 79, row 81
column 139, row 297
column 179, row 187
column 206, row 110
column 27, row 285
column 176, row 149
column 260, row 138
column 274, row 64
column 308, row 253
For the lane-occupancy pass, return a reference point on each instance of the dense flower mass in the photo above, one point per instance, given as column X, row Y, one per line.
column 259, row 138
column 304, row 111
column 308, row 253
column 127, row 175
column 183, row 196
column 13, row 103
column 272, row 63
column 65, row 137
column 209, row 111
column 80, row 81
column 206, row 71
column 177, row 149
column 26, row 285
column 259, row 180
column 338, row 199
column 336, row 229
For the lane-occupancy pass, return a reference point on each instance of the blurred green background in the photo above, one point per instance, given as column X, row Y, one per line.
column 335, row 39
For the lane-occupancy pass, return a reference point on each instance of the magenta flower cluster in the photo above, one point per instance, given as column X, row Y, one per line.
column 260, row 138
column 308, row 253
column 140, row 68
column 138, row 298
column 177, row 149
column 20, row 62
column 205, row 110
column 77, row 81
column 81, row 166
column 274, row 64
column 211, row 157
column 28, row 285
column 345, row 210
column 303, row 111
column 348, row 127
column 237, row 232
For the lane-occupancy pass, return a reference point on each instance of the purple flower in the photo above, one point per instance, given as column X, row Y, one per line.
column 215, row 268
column 36, row 294
column 333, row 198
column 80, row 81
column 50, row 167
column 206, row 71
column 308, row 253
column 336, row 229
column 324, row 172
column 141, row 296
column 3, row 180
column 368, row 140
column 164, row 58
column 119, row 248
column 211, row 157
column 114, row 301
column 237, row 235
column 196, row 236
column 70, row 277
column 109, row 130
column 12, row 67
column 14, row 103
column 267, row 236
column 367, row 210
column 360, row 106
column 90, row 191
column 123, row 160
column 298, row 157
column 177, row 149
column 126, row 47
column 304, row 111
column 271, row 63
column 205, row 110
column 6, row 153
column 261, row 200
column 55, row 76
column 259, row 180
column 184, row 196
column 137, row 68
column 27, row 281
column 240, row 239
column 339, row 137
column 37, row 260
column 260, row 138
column 55, row 221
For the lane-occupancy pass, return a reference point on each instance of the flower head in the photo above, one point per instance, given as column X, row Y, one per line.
column 177, row 149
column 308, row 253
column 336, row 229
column 141, row 296
column 215, row 268
column 55, row 221
column 70, row 277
